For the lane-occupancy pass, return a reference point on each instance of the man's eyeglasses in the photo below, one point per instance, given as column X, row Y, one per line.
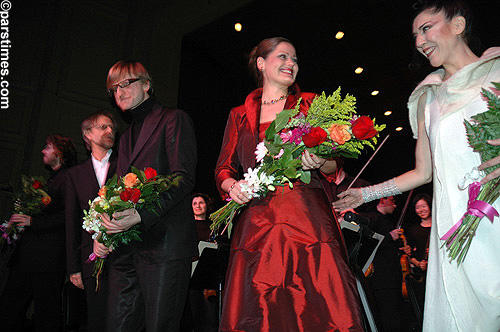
column 103, row 127
column 122, row 84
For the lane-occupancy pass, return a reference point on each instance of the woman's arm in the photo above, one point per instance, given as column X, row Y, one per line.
column 421, row 174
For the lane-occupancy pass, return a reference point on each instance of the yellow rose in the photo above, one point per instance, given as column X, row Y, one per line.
column 130, row 180
column 339, row 133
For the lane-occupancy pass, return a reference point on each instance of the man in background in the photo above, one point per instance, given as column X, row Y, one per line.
column 82, row 186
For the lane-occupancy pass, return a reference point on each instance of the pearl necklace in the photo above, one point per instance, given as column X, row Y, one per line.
column 274, row 101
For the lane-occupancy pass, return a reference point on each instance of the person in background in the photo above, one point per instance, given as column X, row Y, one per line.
column 386, row 280
column 38, row 263
column 288, row 269
column 464, row 297
column 418, row 235
column 202, row 206
column 82, row 186
column 200, row 314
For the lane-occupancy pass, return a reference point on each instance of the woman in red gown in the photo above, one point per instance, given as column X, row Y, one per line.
column 288, row 268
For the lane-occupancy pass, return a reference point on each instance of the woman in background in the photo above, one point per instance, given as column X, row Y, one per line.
column 202, row 206
column 418, row 235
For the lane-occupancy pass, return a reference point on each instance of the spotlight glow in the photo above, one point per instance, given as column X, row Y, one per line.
column 238, row 27
column 339, row 35
column 358, row 70
column 387, row 113
column 399, row 128
column 375, row 92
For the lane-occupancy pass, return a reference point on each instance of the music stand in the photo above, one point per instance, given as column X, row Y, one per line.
column 362, row 244
column 210, row 270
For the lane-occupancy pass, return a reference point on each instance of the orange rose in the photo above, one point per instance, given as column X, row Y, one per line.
column 102, row 192
column 130, row 180
column 339, row 133
column 46, row 200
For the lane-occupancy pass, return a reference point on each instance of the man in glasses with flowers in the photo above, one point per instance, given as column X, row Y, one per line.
column 148, row 280
column 82, row 185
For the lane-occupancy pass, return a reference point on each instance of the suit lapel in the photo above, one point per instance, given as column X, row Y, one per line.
column 149, row 125
column 112, row 165
column 91, row 174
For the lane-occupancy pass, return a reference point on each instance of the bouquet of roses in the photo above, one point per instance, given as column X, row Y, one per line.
column 31, row 199
column 139, row 190
column 483, row 127
column 329, row 128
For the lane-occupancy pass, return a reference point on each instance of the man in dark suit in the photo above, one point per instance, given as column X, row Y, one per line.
column 386, row 281
column 82, row 186
column 148, row 280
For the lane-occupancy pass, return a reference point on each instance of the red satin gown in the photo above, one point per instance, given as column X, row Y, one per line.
column 288, row 269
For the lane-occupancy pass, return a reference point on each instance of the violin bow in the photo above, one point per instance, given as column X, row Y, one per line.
column 369, row 160
column 403, row 212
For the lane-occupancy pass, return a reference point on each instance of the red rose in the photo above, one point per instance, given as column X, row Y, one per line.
column 315, row 137
column 125, row 195
column 150, row 173
column 136, row 194
column 37, row 184
column 363, row 128
column 130, row 194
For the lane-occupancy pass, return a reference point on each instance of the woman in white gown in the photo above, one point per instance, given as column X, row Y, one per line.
column 466, row 297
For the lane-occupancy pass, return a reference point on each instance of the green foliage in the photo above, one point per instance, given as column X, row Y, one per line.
column 486, row 126
column 326, row 110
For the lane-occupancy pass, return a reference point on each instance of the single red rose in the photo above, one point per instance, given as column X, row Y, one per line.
column 135, row 195
column 150, row 173
column 125, row 195
column 363, row 128
column 37, row 184
column 315, row 137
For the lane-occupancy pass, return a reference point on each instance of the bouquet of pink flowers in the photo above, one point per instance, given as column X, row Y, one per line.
column 139, row 190
column 329, row 128
column 482, row 127
column 30, row 200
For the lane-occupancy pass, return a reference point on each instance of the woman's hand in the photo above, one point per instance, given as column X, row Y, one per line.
column 20, row 219
column 349, row 199
column 310, row 161
column 491, row 162
column 237, row 195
